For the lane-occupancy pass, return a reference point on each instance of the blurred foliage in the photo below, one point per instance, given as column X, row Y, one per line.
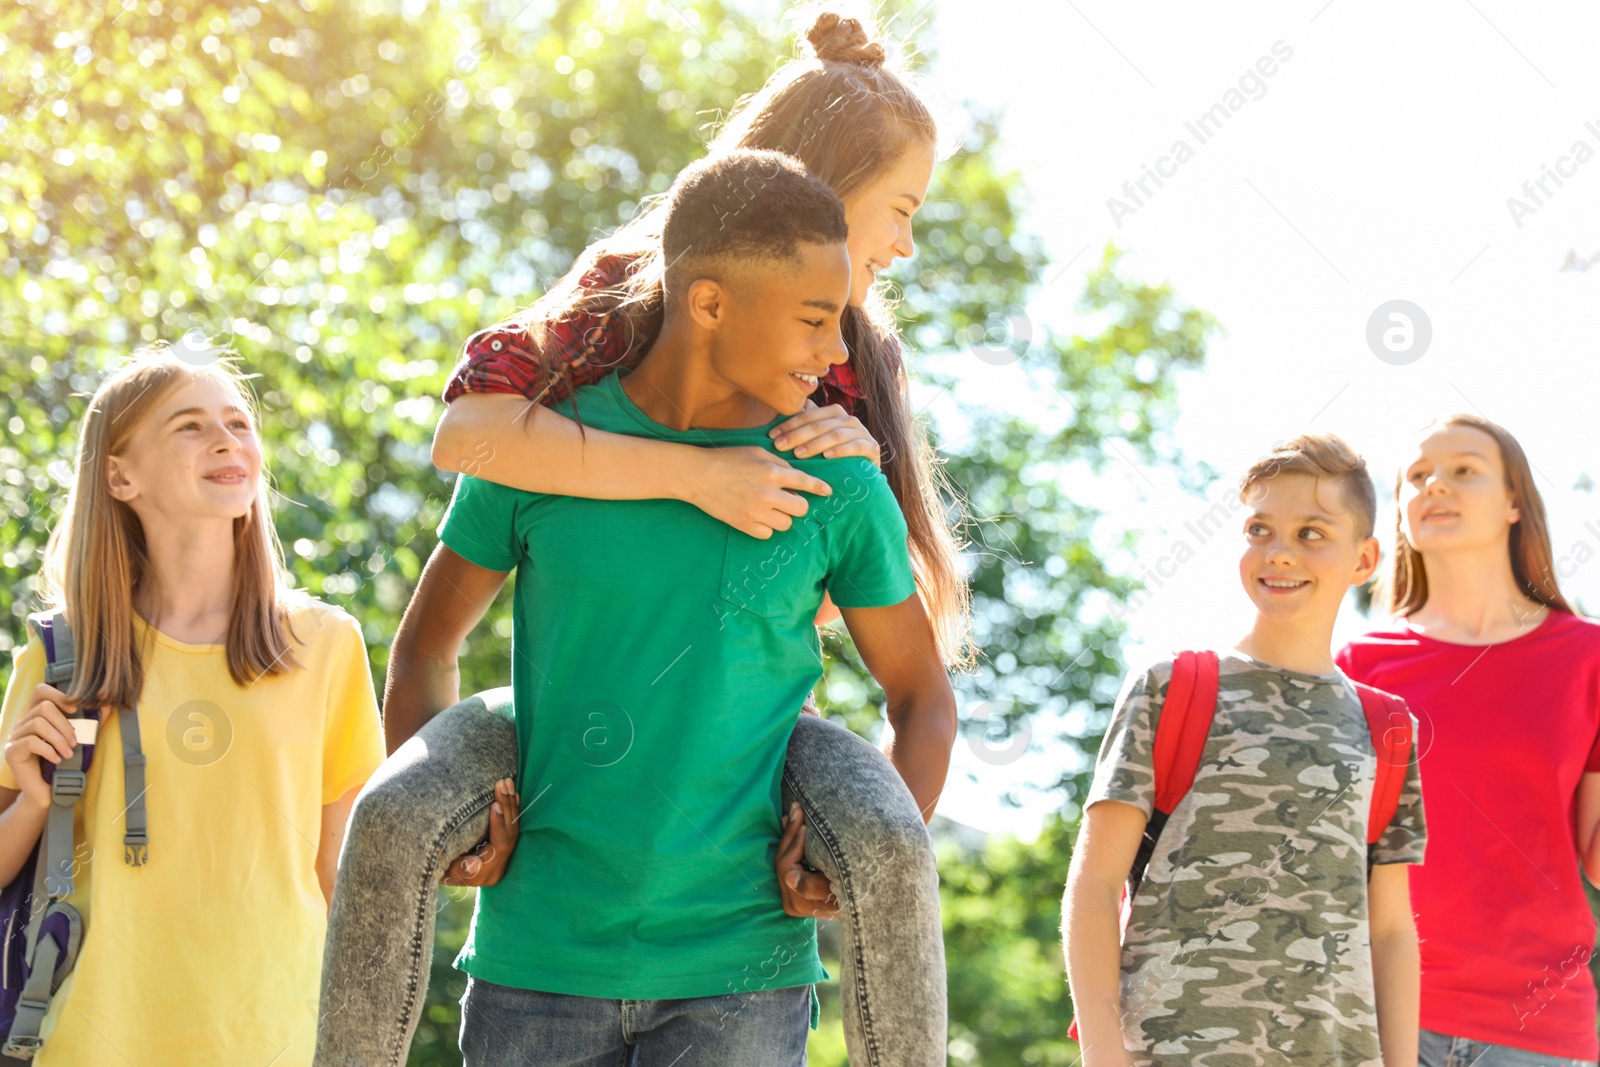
column 1002, row 921
column 344, row 191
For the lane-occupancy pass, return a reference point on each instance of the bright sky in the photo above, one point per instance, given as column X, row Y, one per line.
column 1373, row 163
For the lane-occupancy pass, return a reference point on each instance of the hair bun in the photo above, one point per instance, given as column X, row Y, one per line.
column 836, row 39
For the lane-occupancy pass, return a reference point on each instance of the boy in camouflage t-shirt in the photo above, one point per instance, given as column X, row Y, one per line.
column 1256, row 936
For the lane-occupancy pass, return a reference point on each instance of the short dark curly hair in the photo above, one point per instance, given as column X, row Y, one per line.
column 729, row 210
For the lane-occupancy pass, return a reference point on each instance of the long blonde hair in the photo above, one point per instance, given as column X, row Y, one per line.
column 96, row 556
column 849, row 116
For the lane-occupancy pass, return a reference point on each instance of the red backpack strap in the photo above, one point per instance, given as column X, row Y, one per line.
column 1186, row 714
column 1389, row 722
column 1185, row 723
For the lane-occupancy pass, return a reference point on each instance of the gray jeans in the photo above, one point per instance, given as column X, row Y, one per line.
column 429, row 803
column 1443, row 1050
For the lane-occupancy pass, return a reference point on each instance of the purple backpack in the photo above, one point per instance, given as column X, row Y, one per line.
column 42, row 931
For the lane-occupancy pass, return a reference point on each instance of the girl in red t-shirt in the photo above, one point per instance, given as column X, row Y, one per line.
column 857, row 124
column 1504, row 679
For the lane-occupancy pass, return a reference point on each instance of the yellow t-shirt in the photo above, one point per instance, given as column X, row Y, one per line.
column 211, row 953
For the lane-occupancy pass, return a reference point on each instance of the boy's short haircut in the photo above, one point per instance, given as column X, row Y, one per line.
column 728, row 212
column 1322, row 455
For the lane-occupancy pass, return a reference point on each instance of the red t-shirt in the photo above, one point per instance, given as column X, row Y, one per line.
column 1507, row 732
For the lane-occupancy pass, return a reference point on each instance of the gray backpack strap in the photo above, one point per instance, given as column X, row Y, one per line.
column 135, row 841
column 135, row 837
column 56, row 857
column 56, row 860
column 58, row 671
column 53, row 874
column 33, row 1004
column 50, row 968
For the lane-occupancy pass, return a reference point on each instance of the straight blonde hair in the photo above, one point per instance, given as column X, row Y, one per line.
column 97, row 556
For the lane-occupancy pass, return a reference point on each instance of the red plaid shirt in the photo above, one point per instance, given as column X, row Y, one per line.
column 503, row 359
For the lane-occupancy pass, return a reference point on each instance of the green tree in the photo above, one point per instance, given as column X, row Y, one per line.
column 1002, row 918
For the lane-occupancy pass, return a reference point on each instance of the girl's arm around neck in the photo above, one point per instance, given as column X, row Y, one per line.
column 1396, row 963
column 897, row 646
column 1108, row 838
column 518, row 443
column 423, row 678
column 514, row 442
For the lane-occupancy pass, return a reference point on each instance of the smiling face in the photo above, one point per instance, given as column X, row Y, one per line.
column 195, row 457
column 1302, row 549
column 1453, row 492
column 777, row 330
column 879, row 214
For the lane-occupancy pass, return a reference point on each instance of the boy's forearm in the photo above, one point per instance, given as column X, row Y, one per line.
column 511, row 441
column 418, row 687
column 921, row 733
column 423, row 678
column 1090, row 938
column 1397, row 981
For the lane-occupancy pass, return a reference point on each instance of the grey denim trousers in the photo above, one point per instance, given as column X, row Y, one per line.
column 429, row 803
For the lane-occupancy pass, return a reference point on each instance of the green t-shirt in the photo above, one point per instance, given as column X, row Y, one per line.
column 659, row 659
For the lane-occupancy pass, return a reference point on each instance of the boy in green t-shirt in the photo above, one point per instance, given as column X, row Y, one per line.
column 1264, row 930
column 659, row 659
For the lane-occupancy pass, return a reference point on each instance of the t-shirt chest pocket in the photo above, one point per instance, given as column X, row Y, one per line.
column 776, row 577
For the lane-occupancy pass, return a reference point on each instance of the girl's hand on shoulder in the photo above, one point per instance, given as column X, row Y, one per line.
column 486, row 864
column 42, row 733
column 828, row 432
column 750, row 489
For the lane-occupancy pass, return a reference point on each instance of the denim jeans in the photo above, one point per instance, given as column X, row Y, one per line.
column 429, row 803
column 1442, row 1050
column 506, row 1027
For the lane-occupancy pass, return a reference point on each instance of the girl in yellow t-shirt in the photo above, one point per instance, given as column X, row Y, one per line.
column 258, row 722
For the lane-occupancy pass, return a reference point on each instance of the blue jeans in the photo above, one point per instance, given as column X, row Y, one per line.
column 506, row 1027
column 1442, row 1050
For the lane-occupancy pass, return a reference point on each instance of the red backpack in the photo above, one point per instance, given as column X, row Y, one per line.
column 1185, row 723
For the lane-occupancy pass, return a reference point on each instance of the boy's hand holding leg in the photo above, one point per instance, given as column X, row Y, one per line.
column 1090, row 927
column 486, row 864
column 807, row 894
column 1396, row 963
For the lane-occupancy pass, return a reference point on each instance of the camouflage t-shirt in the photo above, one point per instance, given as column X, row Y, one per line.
column 1247, row 943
